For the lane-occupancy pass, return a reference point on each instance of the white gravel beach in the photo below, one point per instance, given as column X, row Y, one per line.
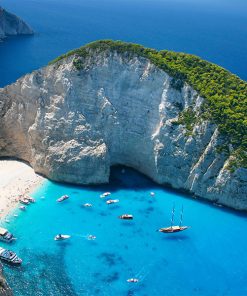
column 16, row 178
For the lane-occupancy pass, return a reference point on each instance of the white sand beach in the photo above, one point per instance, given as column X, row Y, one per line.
column 15, row 178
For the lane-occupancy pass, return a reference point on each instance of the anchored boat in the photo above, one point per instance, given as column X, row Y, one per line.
column 87, row 205
column 132, row 280
column 9, row 256
column 112, row 201
column 62, row 198
column 61, row 237
column 126, row 217
column 6, row 236
column 24, row 201
column 174, row 228
column 30, row 199
column 105, row 194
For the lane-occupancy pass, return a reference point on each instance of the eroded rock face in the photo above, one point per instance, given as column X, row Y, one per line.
column 11, row 24
column 73, row 125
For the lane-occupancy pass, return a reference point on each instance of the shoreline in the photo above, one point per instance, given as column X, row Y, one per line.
column 16, row 178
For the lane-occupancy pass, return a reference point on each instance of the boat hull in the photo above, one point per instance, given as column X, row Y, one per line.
column 9, row 257
column 6, row 240
column 126, row 217
column 173, row 229
column 62, row 198
column 64, row 237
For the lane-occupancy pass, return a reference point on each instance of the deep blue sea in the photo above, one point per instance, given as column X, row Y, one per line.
column 210, row 258
column 216, row 30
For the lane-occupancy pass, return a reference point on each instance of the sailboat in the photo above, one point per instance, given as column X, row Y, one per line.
column 174, row 228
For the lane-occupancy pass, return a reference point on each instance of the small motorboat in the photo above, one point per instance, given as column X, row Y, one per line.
column 59, row 237
column 30, row 199
column 62, row 198
column 5, row 235
column 126, row 217
column 132, row 280
column 105, row 194
column 152, row 193
column 9, row 257
column 87, row 205
column 24, row 201
column 91, row 237
column 22, row 208
column 112, row 201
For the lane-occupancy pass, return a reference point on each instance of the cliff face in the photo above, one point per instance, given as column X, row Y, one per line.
column 73, row 125
column 10, row 24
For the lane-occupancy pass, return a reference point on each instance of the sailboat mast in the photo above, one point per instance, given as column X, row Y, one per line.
column 181, row 216
column 172, row 219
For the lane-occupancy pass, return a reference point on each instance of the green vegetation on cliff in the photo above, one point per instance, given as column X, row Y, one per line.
column 225, row 93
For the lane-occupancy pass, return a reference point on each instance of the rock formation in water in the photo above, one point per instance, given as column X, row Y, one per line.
column 11, row 24
column 4, row 287
column 96, row 108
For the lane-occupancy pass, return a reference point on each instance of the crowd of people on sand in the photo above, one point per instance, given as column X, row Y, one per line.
column 15, row 178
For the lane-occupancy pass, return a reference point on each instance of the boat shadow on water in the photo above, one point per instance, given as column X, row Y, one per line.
column 175, row 237
column 127, row 223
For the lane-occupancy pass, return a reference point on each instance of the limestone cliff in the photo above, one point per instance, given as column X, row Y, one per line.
column 73, row 123
column 11, row 24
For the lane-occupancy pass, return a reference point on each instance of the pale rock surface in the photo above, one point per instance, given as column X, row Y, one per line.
column 74, row 125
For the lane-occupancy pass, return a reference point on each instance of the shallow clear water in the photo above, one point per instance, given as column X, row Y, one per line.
column 214, row 30
column 207, row 259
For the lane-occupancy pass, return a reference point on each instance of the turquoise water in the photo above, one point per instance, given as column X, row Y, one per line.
column 208, row 259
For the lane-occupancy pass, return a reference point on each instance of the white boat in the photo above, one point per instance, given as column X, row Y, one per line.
column 132, row 280
column 59, row 237
column 126, row 217
column 105, row 194
column 87, row 205
column 30, row 199
column 62, row 198
column 9, row 256
column 112, row 201
column 23, row 208
column 91, row 237
column 5, row 235
column 24, row 201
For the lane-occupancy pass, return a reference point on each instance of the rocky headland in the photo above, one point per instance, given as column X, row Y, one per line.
column 165, row 114
column 11, row 24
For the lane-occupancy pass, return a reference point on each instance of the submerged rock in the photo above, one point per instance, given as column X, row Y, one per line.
column 76, row 118
column 4, row 287
column 11, row 24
